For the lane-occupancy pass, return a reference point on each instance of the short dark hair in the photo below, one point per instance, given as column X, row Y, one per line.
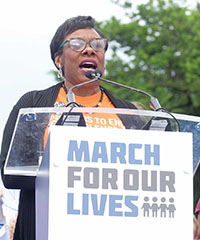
column 68, row 27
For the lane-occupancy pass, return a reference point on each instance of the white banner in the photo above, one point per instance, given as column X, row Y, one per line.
column 120, row 184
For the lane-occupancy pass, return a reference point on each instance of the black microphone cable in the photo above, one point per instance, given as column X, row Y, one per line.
column 64, row 117
column 164, row 111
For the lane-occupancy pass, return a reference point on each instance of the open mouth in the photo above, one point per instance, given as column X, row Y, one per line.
column 88, row 65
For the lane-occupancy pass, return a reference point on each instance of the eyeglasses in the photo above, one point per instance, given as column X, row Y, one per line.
column 79, row 44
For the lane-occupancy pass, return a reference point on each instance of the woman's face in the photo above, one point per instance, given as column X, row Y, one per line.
column 73, row 62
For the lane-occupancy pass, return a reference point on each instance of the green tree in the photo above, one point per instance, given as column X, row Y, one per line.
column 158, row 51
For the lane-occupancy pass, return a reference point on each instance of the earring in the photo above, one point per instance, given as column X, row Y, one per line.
column 60, row 72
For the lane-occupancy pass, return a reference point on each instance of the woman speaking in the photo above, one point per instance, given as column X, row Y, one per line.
column 77, row 47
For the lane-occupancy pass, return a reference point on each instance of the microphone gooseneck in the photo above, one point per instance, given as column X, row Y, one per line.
column 154, row 103
column 89, row 74
column 96, row 76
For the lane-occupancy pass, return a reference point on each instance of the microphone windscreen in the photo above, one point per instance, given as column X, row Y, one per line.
column 98, row 71
column 89, row 74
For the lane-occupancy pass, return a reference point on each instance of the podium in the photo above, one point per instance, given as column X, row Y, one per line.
column 107, row 182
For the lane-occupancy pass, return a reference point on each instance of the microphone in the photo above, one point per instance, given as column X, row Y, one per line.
column 96, row 76
column 88, row 74
column 91, row 74
column 154, row 103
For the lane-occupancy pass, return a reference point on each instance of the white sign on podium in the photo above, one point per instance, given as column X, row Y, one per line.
column 119, row 184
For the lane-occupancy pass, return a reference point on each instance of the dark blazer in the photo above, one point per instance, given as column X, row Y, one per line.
column 25, row 226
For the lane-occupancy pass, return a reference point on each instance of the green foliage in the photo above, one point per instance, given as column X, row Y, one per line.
column 158, row 51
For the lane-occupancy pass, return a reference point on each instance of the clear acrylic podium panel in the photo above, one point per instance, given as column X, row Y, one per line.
column 27, row 145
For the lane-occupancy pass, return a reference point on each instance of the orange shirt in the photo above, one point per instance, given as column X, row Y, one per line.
column 95, row 120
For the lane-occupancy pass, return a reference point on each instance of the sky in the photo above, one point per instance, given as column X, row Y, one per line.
column 26, row 29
